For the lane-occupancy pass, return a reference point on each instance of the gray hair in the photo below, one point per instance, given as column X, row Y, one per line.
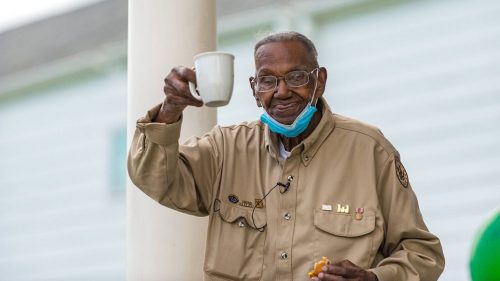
column 289, row 36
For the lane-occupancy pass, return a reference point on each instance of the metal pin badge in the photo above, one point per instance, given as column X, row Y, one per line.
column 233, row 198
column 359, row 213
column 342, row 209
column 326, row 207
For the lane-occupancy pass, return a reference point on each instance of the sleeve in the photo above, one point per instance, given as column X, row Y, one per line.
column 180, row 177
column 411, row 252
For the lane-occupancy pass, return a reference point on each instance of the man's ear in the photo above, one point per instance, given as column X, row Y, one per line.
column 257, row 100
column 322, row 76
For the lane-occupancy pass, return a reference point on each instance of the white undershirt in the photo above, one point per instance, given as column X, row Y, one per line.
column 283, row 153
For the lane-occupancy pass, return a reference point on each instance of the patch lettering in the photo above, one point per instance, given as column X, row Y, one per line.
column 247, row 204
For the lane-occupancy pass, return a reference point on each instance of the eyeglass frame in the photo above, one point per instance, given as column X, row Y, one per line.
column 253, row 80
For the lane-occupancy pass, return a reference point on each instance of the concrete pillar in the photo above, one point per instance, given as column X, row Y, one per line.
column 163, row 244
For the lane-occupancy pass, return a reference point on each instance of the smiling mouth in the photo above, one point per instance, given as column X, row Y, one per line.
column 284, row 106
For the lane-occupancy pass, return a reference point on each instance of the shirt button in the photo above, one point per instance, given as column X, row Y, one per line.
column 306, row 157
column 284, row 255
column 241, row 224
column 287, row 216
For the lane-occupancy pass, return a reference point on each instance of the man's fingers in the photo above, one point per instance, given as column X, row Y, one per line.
column 338, row 270
column 178, row 93
column 185, row 74
column 345, row 270
column 182, row 89
column 323, row 276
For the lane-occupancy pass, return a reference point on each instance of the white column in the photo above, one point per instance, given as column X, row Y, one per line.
column 163, row 244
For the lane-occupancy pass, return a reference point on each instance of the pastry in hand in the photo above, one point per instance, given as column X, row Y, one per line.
column 318, row 266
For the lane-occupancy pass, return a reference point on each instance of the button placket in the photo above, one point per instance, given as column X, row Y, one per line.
column 287, row 202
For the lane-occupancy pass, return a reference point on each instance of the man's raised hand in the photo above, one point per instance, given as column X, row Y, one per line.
column 177, row 94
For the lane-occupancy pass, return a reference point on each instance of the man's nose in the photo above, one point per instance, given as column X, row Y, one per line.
column 282, row 87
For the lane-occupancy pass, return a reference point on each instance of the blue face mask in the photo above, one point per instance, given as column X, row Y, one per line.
column 296, row 128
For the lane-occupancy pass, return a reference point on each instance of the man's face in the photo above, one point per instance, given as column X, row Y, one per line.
column 285, row 103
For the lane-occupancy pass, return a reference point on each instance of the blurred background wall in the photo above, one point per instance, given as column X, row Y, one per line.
column 62, row 146
column 425, row 72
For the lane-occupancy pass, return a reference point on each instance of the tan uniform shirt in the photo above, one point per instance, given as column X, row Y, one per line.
column 348, row 198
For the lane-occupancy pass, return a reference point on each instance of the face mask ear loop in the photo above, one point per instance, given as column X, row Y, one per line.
column 315, row 88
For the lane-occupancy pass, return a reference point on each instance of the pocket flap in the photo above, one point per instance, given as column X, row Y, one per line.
column 343, row 224
column 232, row 214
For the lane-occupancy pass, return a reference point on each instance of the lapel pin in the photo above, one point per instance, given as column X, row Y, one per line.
column 342, row 209
column 233, row 198
column 326, row 207
column 359, row 213
column 259, row 203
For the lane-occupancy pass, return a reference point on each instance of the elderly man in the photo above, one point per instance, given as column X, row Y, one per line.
column 282, row 192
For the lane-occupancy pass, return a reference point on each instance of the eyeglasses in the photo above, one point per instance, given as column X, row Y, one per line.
column 293, row 79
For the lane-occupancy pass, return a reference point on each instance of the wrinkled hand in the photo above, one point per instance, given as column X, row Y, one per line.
column 344, row 271
column 177, row 94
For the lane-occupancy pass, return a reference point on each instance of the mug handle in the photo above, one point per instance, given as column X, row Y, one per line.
column 194, row 93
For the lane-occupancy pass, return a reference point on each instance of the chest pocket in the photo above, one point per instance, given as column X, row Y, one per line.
column 341, row 236
column 235, row 248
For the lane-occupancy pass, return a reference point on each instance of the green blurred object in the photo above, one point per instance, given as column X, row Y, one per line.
column 485, row 258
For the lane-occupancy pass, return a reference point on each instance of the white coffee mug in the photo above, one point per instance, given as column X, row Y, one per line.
column 214, row 78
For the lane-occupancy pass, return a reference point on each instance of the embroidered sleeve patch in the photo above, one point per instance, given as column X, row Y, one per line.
column 401, row 173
